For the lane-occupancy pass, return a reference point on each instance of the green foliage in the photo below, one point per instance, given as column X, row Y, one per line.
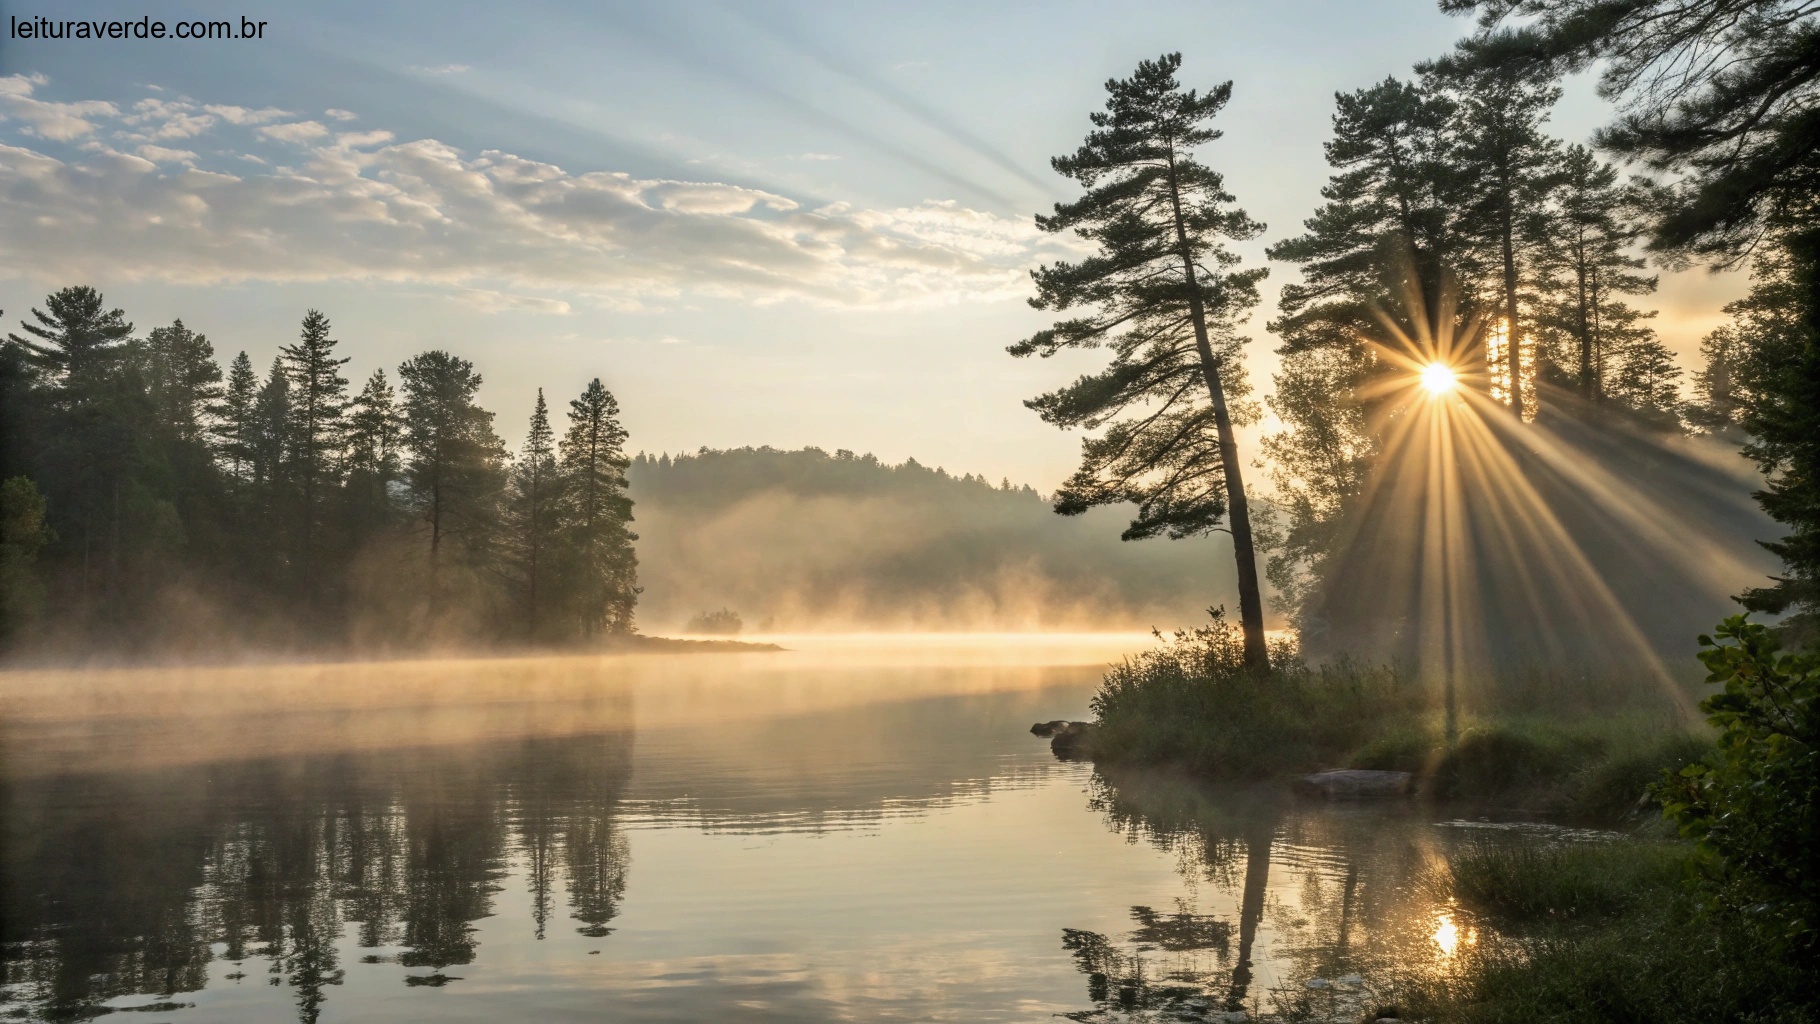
column 1722, row 93
column 1754, row 805
column 1164, row 293
column 23, row 533
column 1585, row 327
column 1604, row 932
column 1151, row 298
column 600, row 565
column 1194, row 702
column 1528, row 883
column 180, row 508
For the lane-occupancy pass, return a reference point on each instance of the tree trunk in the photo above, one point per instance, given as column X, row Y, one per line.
column 1251, row 911
column 1513, row 340
column 1586, row 363
column 1238, row 508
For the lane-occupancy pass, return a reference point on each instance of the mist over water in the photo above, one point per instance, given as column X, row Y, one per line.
column 860, row 827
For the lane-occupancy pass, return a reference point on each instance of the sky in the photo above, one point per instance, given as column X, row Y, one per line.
column 779, row 223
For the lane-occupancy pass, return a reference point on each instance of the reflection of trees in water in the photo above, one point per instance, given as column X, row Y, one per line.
column 113, row 886
column 1339, row 890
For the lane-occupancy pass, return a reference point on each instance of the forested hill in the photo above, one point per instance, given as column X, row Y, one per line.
column 805, row 539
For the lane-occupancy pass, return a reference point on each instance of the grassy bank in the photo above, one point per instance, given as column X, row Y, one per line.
column 1599, row 932
column 1580, row 746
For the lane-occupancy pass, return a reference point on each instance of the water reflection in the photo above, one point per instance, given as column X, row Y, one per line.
column 801, row 838
column 1309, row 911
column 118, row 885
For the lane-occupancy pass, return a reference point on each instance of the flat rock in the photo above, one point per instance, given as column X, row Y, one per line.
column 1356, row 784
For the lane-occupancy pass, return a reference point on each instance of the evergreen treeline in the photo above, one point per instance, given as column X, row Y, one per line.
column 1454, row 224
column 152, row 498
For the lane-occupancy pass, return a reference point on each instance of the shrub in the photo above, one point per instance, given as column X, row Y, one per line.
column 1753, row 805
column 725, row 622
column 1194, row 703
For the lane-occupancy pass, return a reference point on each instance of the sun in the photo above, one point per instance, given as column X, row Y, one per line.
column 1439, row 378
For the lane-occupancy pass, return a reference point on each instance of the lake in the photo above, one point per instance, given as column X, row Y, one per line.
column 858, row 828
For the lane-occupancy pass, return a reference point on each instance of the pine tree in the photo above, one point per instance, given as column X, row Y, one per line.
column 1386, row 233
column 1587, row 267
column 601, row 563
column 78, row 334
column 1384, row 246
column 185, row 381
column 532, row 520
column 1647, row 380
column 235, row 423
column 273, row 472
column 78, row 347
column 453, row 457
column 1506, row 166
column 1720, row 398
column 374, row 434
column 1165, row 295
column 318, row 406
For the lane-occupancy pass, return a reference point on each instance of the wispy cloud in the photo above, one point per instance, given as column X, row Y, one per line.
column 497, row 230
column 441, row 69
column 58, row 122
column 295, row 131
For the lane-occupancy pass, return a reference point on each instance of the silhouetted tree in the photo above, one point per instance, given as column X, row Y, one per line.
column 1587, row 267
column 374, row 429
column 96, row 420
column 454, row 458
column 599, row 562
column 235, row 425
column 317, row 428
column 1385, row 244
column 531, row 515
column 1505, row 165
column 185, row 381
column 78, row 334
column 1720, row 96
column 1167, row 297
column 1720, row 400
column 1387, row 229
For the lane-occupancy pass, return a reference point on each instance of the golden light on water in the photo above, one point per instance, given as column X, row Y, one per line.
column 1439, row 378
column 1447, row 934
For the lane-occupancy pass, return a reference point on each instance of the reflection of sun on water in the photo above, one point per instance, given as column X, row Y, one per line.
column 1447, row 935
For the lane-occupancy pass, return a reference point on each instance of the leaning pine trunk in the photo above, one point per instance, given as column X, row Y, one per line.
column 1238, row 508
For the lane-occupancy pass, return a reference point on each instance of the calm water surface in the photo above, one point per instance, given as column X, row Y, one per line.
column 853, row 830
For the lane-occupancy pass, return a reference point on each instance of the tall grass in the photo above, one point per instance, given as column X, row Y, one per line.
column 1607, row 932
column 1193, row 703
column 1540, row 741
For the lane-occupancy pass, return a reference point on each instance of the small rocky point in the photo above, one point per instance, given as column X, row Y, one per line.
column 1069, row 741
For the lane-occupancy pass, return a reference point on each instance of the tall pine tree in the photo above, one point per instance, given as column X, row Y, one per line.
column 1587, row 268
column 1506, row 165
column 318, row 407
column 374, row 437
column 600, row 563
column 532, row 519
column 235, row 425
column 1167, row 297
column 453, row 460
